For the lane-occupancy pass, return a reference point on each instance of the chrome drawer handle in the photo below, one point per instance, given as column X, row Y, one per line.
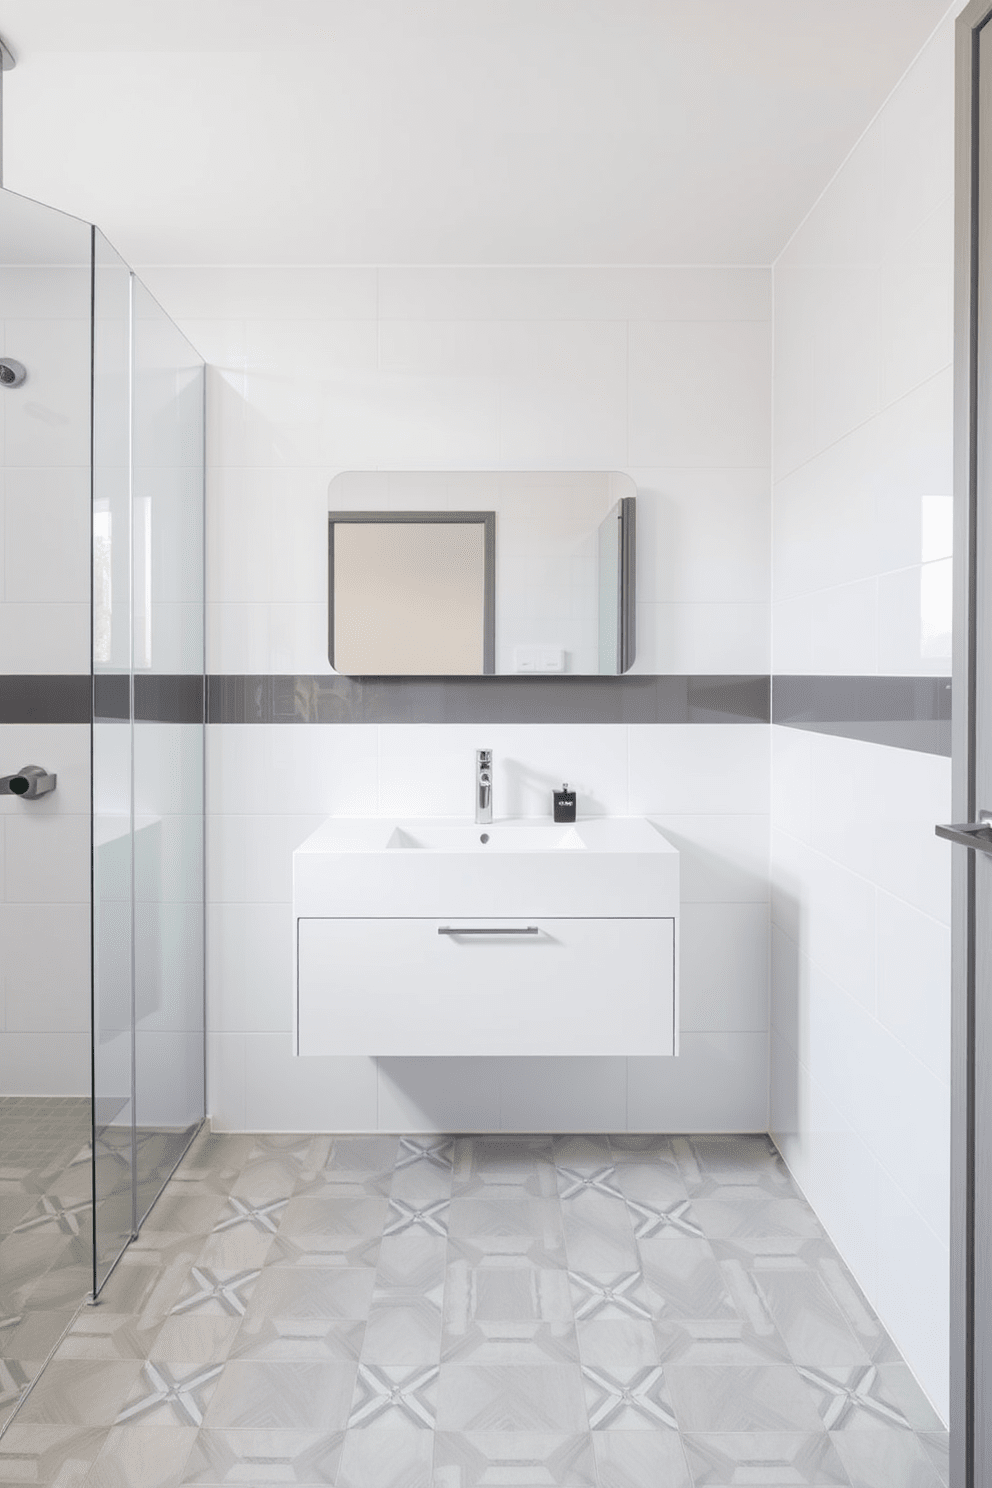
column 488, row 930
column 977, row 835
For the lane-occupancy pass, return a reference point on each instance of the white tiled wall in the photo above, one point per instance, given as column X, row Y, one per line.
column 662, row 373
column 45, row 916
column 44, row 629
column 862, row 463
column 860, row 949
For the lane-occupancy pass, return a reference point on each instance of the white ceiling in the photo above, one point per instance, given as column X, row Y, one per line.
column 445, row 131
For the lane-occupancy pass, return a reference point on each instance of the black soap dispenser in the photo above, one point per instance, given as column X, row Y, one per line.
column 564, row 800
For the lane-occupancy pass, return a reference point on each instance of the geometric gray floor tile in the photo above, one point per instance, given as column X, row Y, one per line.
column 80, row 1392
column 470, row 1312
column 617, row 1343
column 640, row 1459
column 393, row 1457
column 936, row 1445
column 885, row 1459
column 510, row 1342
column 45, row 1454
column 628, row 1401
column 142, row 1457
column 867, row 1397
column 264, row 1457
column 403, row 1331
column 765, row 1458
column 624, row 1295
column 505, row 1292
column 479, row 1459
column 170, row 1395
column 808, row 1318
column 387, row 1396
column 514, row 1397
column 289, row 1395
column 761, row 1398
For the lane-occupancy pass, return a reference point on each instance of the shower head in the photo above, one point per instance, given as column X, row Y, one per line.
column 12, row 373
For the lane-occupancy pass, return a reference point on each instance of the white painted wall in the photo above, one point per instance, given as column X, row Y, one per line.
column 662, row 373
column 44, row 629
column 861, row 584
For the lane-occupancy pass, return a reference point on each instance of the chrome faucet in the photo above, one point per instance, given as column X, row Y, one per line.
column 483, row 785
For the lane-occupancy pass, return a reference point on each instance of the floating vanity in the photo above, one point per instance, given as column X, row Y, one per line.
column 518, row 937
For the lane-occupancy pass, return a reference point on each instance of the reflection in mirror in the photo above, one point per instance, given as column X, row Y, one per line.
column 553, row 588
column 411, row 593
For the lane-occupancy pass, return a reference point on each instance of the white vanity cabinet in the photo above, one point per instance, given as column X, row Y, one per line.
column 532, row 986
column 517, row 938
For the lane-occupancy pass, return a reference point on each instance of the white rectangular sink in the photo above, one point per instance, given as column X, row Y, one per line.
column 367, row 866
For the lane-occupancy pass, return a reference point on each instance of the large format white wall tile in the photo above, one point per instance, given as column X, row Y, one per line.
column 45, row 1063
column 717, row 1083
column 580, row 1095
column 699, row 393
column 283, row 1093
column 723, row 967
column 695, row 769
column 429, row 769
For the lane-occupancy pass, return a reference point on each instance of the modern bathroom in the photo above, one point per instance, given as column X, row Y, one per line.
column 481, row 536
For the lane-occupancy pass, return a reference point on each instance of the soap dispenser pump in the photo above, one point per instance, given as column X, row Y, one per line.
column 564, row 804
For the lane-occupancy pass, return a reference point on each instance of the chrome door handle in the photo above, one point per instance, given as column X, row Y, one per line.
column 976, row 835
column 488, row 930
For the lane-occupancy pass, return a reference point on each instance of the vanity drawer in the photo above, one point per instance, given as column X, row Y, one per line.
column 535, row 986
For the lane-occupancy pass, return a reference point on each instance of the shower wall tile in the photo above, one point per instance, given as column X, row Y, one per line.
column 45, row 1063
column 861, row 544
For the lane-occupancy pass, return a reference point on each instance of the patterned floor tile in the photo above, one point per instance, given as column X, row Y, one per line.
column 723, row 1340
column 215, row 1293
column 431, row 1216
column 289, row 1396
column 412, row 1262
column 758, row 1398
column 885, row 1459
column 506, row 1292
column 733, row 1214
column 492, row 1459
column 45, row 1455
column 640, row 1459
column 764, row 1458
column 520, row 1397
column 708, row 1163
column 184, row 1213
column 808, row 1318
column 195, row 1338
column 684, row 1275
column 599, row 1179
column 533, row 1219
column 936, row 1445
column 403, row 1332
column 617, row 1343
column 80, row 1392
column 264, row 1457
column 285, row 1293
column 142, row 1457
column 393, row 1457
column 388, row 1396
column 626, row 1295
column 628, row 1400
column 170, row 1395
column 510, row 1343
column 870, row 1396
column 334, row 1227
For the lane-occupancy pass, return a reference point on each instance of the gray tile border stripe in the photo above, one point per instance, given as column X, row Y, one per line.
column 560, row 700
column 902, row 712
column 45, row 699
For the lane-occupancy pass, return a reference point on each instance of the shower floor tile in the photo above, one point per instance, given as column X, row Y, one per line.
column 466, row 1312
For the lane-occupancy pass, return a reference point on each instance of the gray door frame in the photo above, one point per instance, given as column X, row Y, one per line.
column 971, row 933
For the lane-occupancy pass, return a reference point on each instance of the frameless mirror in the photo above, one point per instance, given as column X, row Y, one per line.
column 475, row 573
